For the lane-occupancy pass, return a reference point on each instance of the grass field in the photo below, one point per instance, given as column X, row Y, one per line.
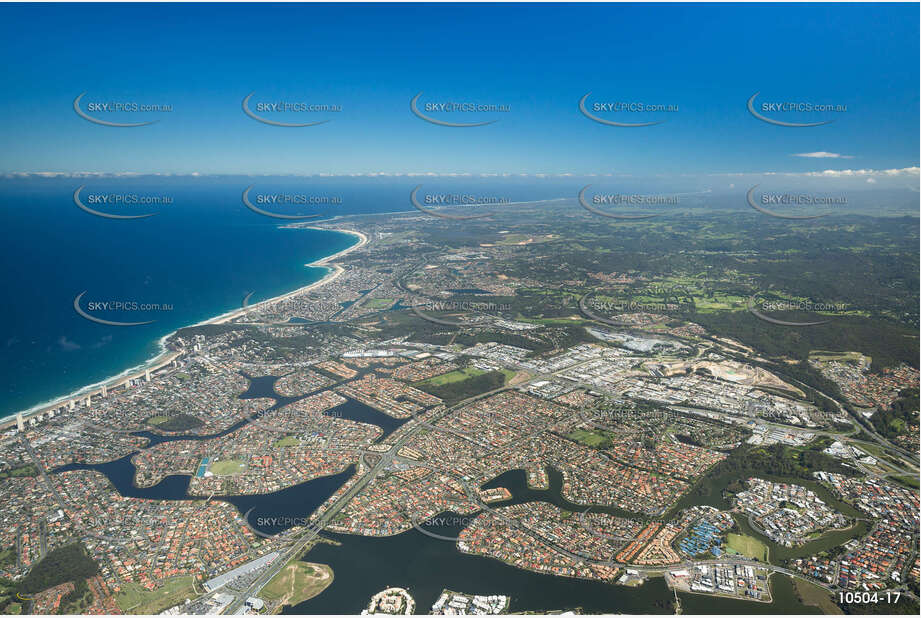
column 815, row 596
column 461, row 384
column 517, row 239
column 593, row 439
column 136, row 600
column 227, row 467
column 724, row 303
column 747, row 546
column 828, row 540
column 287, row 441
column 28, row 469
column 907, row 480
column 826, row 355
column 298, row 581
column 453, row 376
column 174, row 422
column 378, row 303
column 870, row 449
column 876, row 451
column 9, row 603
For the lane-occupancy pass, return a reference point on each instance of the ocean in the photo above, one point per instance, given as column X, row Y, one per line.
column 196, row 258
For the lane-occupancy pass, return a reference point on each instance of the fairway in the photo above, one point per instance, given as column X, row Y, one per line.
column 747, row 546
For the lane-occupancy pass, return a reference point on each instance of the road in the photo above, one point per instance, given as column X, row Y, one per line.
column 44, row 474
column 513, row 523
column 386, row 460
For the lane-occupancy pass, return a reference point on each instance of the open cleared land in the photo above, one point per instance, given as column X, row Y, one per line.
column 136, row 600
column 287, row 441
column 297, row 582
column 458, row 375
column 227, row 466
column 594, row 439
column 747, row 546
column 810, row 594
column 378, row 303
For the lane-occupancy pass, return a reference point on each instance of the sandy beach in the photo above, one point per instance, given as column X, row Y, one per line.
column 166, row 356
column 334, row 271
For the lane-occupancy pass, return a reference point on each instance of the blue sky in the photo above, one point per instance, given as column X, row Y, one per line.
column 537, row 59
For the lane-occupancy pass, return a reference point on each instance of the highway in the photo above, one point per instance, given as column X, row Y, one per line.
column 323, row 520
column 388, row 457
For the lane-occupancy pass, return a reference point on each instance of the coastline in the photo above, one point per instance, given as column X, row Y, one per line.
column 166, row 356
column 334, row 270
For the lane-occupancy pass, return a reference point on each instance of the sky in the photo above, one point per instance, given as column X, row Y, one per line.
column 537, row 61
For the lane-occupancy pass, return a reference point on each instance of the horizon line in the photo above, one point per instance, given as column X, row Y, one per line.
column 827, row 173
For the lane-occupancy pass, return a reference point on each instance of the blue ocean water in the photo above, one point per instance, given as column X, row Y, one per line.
column 200, row 255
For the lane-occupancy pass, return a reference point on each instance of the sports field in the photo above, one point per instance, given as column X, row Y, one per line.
column 747, row 546
column 227, row 466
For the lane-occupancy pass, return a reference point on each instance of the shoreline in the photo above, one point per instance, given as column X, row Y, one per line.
column 166, row 356
column 334, row 270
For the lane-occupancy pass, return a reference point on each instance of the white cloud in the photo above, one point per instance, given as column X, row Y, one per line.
column 865, row 173
column 904, row 171
column 822, row 155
